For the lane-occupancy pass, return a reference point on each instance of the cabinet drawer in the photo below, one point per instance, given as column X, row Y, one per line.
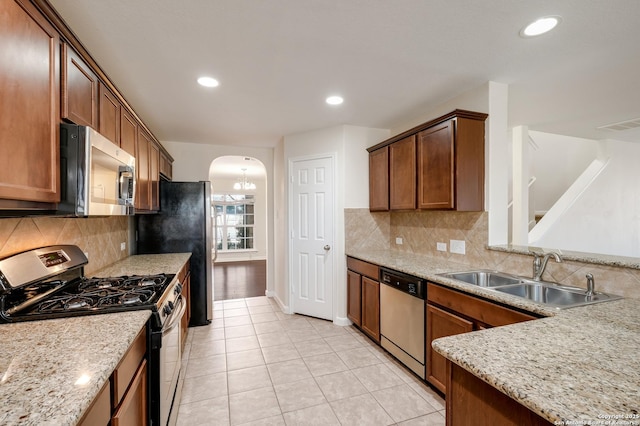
column 473, row 307
column 126, row 370
column 363, row 268
column 99, row 413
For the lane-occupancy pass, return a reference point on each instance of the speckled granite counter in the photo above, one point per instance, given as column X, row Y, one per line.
column 578, row 365
column 50, row 371
column 41, row 361
column 144, row 264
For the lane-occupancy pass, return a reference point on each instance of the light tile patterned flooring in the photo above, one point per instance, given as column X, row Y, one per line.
column 255, row 365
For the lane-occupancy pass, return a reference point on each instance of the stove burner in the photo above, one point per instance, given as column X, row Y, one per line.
column 77, row 303
column 130, row 299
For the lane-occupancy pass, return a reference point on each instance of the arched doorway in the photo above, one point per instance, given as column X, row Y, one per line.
column 239, row 205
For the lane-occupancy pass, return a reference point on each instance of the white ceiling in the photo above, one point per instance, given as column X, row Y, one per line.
column 277, row 60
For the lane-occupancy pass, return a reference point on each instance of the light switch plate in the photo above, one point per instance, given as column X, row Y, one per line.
column 457, row 246
column 441, row 246
column 399, row 240
column 123, row 246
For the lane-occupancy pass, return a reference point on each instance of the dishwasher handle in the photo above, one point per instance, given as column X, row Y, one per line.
column 405, row 283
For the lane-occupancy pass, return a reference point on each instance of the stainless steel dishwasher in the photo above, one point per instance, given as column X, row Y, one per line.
column 402, row 318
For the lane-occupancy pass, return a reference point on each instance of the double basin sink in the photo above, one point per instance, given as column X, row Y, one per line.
column 545, row 293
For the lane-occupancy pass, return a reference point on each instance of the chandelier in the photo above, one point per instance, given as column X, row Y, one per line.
column 243, row 183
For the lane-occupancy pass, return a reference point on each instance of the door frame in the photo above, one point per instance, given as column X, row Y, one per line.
column 333, row 275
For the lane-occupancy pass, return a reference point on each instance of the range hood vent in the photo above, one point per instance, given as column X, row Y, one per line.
column 621, row 126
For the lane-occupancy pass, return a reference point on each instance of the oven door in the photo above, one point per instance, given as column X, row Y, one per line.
column 170, row 360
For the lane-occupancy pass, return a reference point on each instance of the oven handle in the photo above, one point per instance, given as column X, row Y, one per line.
column 175, row 317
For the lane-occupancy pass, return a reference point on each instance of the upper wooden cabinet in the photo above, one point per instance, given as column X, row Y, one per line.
column 110, row 107
column 29, row 105
column 402, row 174
column 166, row 165
column 379, row 179
column 148, row 173
column 154, row 176
column 79, row 89
column 437, row 165
column 128, row 132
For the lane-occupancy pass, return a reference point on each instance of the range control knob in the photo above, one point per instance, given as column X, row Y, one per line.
column 166, row 310
column 178, row 288
column 171, row 305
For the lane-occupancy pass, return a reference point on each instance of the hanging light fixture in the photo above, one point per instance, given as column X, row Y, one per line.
column 243, row 183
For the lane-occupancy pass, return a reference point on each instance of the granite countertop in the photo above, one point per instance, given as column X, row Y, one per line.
column 145, row 264
column 51, row 371
column 578, row 364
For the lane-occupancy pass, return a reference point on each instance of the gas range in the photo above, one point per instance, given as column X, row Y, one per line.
column 48, row 282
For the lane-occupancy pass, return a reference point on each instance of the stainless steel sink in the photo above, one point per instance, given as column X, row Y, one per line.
column 545, row 293
column 555, row 295
column 484, row 278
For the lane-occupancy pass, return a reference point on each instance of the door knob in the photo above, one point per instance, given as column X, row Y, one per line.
column 327, row 247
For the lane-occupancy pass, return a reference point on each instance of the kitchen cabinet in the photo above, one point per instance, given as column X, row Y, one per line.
column 128, row 132
column 184, row 277
column 30, row 105
column 109, row 106
column 379, row 180
column 451, row 166
column 123, row 399
column 148, row 173
column 166, row 165
column 436, row 165
column 154, row 176
column 451, row 312
column 363, row 296
column 79, row 89
column 402, row 174
column 471, row 401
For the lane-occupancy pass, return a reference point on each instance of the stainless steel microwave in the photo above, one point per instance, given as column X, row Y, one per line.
column 97, row 177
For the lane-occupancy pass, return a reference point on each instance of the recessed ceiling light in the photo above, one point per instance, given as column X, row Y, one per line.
column 540, row 26
column 208, row 82
column 334, row 100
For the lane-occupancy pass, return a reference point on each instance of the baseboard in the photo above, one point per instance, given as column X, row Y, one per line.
column 284, row 308
column 342, row 321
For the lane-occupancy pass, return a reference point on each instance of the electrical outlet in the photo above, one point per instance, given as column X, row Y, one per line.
column 457, row 246
column 123, row 246
column 441, row 246
column 399, row 241
column 86, row 254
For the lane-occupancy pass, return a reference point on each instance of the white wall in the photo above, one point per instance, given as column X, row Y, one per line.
column 192, row 162
column 605, row 218
column 348, row 144
column 557, row 162
column 225, row 186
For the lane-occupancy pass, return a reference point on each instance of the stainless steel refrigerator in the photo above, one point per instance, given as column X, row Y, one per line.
column 184, row 224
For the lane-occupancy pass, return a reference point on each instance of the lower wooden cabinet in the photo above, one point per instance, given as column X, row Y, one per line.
column 363, row 296
column 371, row 308
column 186, row 295
column 99, row 413
column 451, row 312
column 133, row 410
column 441, row 323
column 472, row 402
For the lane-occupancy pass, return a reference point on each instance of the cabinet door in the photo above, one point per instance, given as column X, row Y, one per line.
column 440, row 324
column 165, row 166
column 154, row 176
column 184, row 322
column 402, row 174
column 379, row 180
column 79, row 89
column 436, row 169
column 371, row 308
column 29, row 105
column 354, row 297
column 128, row 132
column 109, row 106
column 133, row 410
column 142, row 201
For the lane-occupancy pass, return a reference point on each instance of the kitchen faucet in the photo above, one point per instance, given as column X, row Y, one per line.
column 540, row 263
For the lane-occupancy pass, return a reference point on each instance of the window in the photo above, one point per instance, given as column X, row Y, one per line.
column 234, row 216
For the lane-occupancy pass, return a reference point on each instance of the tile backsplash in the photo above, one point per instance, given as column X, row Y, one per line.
column 420, row 232
column 99, row 237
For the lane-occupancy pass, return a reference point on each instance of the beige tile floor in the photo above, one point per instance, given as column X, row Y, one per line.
column 255, row 365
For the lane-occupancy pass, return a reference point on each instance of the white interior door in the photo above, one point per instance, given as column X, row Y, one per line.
column 312, row 198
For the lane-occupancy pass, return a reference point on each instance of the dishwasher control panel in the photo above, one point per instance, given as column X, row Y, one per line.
column 406, row 283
